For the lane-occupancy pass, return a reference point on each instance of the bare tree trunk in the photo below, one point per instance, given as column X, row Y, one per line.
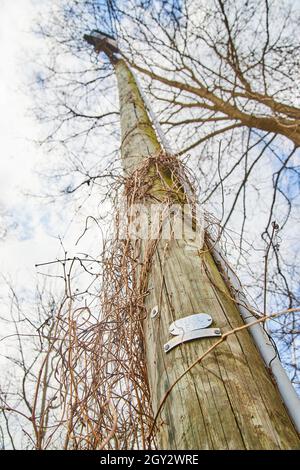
column 228, row 400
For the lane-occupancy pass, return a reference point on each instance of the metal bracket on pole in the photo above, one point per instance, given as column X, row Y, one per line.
column 189, row 328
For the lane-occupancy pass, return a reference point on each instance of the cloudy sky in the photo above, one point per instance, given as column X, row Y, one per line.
column 33, row 226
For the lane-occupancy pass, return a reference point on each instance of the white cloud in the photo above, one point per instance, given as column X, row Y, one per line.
column 37, row 226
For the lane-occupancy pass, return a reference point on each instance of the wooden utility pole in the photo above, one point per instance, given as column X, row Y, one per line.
column 228, row 400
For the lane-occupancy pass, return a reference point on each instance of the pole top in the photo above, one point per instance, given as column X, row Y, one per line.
column 102, row 42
